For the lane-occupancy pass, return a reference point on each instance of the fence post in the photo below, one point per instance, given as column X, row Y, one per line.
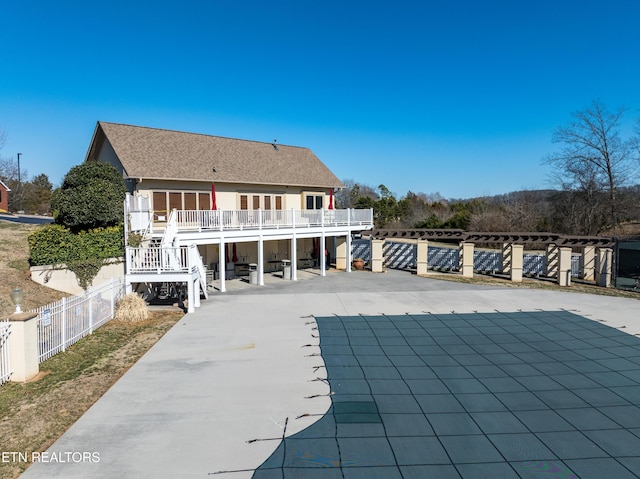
column 90, row 291
column 64, row 324
column 23, row 346
column 113, row 297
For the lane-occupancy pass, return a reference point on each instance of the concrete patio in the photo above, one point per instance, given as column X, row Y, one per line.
column 215, row 396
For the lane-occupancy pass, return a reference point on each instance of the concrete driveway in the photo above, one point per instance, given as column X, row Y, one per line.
column 215, row 396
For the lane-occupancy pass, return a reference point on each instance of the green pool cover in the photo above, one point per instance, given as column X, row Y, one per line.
column 544, row 394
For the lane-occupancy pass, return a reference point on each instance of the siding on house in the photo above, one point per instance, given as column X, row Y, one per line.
column 4, row 197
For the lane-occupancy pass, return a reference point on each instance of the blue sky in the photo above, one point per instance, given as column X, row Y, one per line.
column 456, row 97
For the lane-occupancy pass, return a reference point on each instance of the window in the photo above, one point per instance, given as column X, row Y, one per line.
column 204, row 201
column 175, row 201
column 160, row 206
column 314, row 202
column 260, row 201
column 165, row 201
column 190, row 201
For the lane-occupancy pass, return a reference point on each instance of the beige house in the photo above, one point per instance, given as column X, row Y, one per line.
column 206, row 208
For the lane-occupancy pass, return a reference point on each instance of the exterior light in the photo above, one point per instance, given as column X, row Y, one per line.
column 17, row 296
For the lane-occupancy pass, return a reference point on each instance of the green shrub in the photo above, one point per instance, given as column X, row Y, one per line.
column 84, row 253
column 90, row 196
column 50, row 244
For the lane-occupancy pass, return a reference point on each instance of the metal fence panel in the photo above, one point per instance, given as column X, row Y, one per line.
column 65, row 322
column 5, row 365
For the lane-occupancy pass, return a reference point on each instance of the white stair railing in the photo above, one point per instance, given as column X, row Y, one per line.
column 168, row 237
column 195, row 261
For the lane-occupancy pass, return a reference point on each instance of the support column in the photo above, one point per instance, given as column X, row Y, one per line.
column 349, row 255
column 377, row 255
column 605, row 261
column 222, row 265
column 341, row 252
column 260, row 261
column 517, row 262
column 196, row 292
column 191, row 300
column 551, row 261
column 294, row 258
column 466, row 259
column 323, row 256
column 564, row 267
column 589, row 263
column 23, row 346
column 422, row 257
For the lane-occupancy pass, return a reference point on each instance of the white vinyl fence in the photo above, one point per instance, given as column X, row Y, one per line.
column 65, row 322
column 5, row 366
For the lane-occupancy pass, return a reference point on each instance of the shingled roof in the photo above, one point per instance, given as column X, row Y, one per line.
column 151, row 153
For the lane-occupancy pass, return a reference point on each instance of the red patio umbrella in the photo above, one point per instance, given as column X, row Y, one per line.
column 331, row 199
column 235, row 255
column 214, row 206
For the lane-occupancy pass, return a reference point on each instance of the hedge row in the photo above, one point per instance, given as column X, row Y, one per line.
column 54, row 244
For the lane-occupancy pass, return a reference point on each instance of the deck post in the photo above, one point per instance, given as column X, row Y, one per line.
column 260, row 259
column 190, row 296
column 349, row 255
column 196, row 290
column 341, row 252
column 222, row 265
column 294, row 257
column 323, row 256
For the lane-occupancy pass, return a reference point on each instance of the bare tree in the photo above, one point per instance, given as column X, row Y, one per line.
column 594, row 157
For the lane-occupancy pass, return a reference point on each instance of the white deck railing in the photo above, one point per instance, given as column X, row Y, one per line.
column 220, row 220
column 157, row 259
column 161, row 259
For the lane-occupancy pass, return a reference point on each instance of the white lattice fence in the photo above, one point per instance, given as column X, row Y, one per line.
column 399, row 255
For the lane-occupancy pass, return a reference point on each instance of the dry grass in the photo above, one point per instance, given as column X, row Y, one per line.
column 131, row 309
column 14, row 270
column 530, row 283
